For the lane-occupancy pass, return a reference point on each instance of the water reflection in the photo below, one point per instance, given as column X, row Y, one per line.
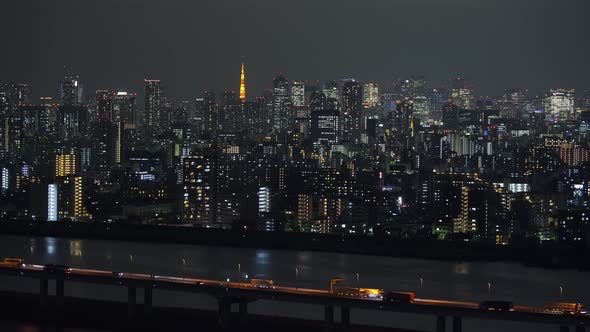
column 429, row 279
column 76, row 248
column 50, row 246
column 461, row 268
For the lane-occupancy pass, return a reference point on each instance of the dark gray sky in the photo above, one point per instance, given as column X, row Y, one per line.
column 193, row 45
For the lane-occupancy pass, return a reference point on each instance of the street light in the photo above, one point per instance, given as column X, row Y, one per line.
column 560, row 291
column 489, row 287
column 357, row 279
column 296, row 277
column 239, row 271
column 421, row 281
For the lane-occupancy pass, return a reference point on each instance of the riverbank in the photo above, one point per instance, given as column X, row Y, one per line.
column 113, row 316
column 548, row 255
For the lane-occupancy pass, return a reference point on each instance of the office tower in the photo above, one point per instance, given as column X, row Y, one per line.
column 72, row 121
column 71, row 89
column 199, row 189
column 461, row 95
column 559, row 104
column 370, row 95
column 20, row 95
column 537, row 122
column 450, row 115
column 421, row 108
column 281, row 109
column 317, row 101
column 153, row 105
column 124, row 108
column 332, row 90
column 243, row 85
column 300, row 110
column 298, row 94
column 352, row 105
column 402, row 122
column 103, row 100
column 254, row 113
column 438, row 98
column 326, row 127
column 210, row 114
column 104, row 141
column 230, row 112
column 66, row 164
column 410, row 87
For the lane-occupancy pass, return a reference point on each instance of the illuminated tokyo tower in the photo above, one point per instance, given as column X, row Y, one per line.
column 243, row 85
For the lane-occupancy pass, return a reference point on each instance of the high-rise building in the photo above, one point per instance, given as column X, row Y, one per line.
column 370, row 95
column 352, row 105
column 461, row 95
column 450, row 115
column 298, row 94
column 317, row 101
column 402, row 122
column 243, row 85
column 153, row 105
column 66, row 165
column 20, row 95
column 124, row 109
column 198, row 201
column 103, row 102
column 304, row 211
column 559, row 104
column 71, row 89
column 332, row 90
column 281, row 110
column 52, row 202
column 209, row 113
column 69, row 198
column 72, row 121
column 300, row 110
column 326, row 127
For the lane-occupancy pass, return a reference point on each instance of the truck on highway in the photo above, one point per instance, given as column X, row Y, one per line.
column 401, row 297
column 368, row 293
column 496, row 305
column 565, row 308
column 337, row 287
column 12, row 262
column 262, row 283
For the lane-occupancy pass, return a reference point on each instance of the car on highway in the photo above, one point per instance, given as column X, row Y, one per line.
column 496, row 305
column 118, row 274
column 399, row 297
column 14, row 262
column 56, row 268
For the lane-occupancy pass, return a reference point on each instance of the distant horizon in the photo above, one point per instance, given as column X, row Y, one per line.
column 196, row 46
column 383, row 88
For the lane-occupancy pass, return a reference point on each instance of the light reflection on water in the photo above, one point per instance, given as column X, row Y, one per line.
column 428, row 279
column 76, row 248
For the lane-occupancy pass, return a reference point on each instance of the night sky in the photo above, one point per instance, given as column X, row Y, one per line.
column 194, row 45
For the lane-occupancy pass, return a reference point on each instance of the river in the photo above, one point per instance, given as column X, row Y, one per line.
column 470, row 281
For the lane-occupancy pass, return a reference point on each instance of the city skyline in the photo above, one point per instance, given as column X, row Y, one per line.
column 88, row 92
column 167, row 43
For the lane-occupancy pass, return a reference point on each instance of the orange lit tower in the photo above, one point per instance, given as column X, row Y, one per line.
column 243, row 85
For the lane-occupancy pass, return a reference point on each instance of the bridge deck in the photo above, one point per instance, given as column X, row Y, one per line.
column 112, row 316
